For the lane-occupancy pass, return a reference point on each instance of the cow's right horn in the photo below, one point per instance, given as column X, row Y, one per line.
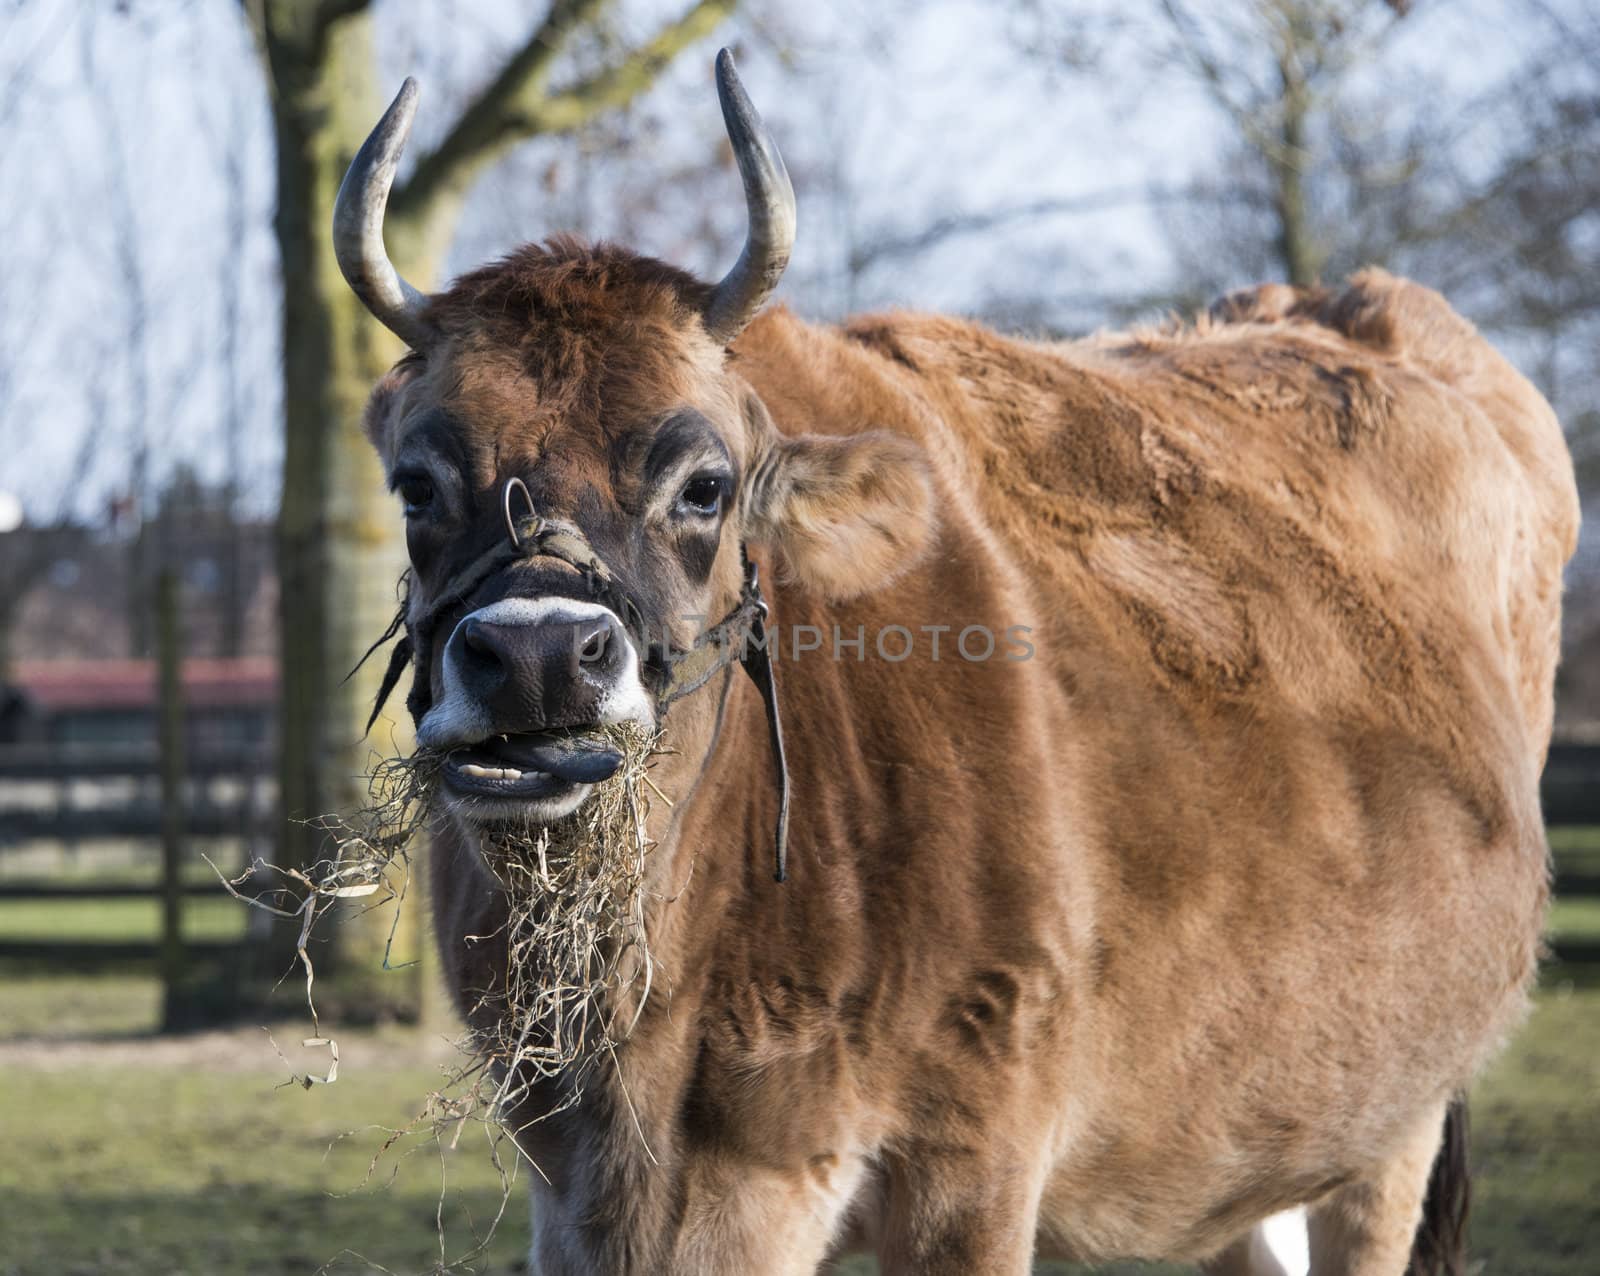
column 358, row 224
column 770, row 200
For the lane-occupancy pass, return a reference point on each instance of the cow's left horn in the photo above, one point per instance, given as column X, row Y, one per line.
column 358, row 224
column 770, row 199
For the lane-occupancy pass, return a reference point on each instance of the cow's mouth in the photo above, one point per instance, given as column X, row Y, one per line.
column 528, row 767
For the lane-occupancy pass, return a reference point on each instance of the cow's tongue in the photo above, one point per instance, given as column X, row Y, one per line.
column 576, row 759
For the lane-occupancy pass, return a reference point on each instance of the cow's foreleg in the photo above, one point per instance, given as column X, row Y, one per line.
column 948, row 1215
column 741, row 1218
column 1366, row 1228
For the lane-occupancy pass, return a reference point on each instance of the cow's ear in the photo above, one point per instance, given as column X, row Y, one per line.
column 377, row 423
column 846, row 514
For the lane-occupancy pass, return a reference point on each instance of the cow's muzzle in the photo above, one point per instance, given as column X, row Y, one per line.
column 501, row 670
column 521, row 681
column 544, row 674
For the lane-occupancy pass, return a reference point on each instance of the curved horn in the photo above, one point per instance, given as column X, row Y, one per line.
column 358, row 224
column 770, row 199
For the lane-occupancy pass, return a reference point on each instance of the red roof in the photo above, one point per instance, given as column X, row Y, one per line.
column 66, row 686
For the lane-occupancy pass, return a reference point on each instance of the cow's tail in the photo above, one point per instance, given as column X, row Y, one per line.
column 1440, row 1247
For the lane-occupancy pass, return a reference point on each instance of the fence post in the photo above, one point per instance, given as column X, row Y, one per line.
column 169, row 656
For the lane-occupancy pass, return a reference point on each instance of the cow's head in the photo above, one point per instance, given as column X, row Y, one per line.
column 596, row 387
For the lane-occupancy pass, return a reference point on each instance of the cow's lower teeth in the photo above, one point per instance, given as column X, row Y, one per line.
column 489, row 772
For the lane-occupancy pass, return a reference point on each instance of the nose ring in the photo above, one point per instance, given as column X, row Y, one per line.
column 515, row 484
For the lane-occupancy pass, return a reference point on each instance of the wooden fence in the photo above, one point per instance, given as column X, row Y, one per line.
column 73, row 797
column 69, row 793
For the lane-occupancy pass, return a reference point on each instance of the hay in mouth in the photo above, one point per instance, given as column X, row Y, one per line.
column 578, row 968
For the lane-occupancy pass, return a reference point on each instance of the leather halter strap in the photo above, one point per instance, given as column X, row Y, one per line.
column 740, row 636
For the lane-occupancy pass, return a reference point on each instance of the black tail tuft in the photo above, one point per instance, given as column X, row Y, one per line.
column 1440, row 1246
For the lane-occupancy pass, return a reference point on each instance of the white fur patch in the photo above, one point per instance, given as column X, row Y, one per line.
column 1279, row 1246
column 456, row 719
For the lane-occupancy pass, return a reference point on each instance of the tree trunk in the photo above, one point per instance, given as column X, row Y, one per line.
column 339, row 546
column 339, row 541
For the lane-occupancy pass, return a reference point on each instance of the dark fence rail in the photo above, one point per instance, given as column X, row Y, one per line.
column 134, row 822
column 79, row 793
column 65, row 762
column 102, row 956
column 1569, row 789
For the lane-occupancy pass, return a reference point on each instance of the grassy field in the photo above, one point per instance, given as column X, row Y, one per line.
column 193, row 1157
column 141, row 1156
column 128, row 920
column 126, row 1153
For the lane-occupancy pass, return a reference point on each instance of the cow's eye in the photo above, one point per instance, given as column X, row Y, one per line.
column 416, row 490
column 702, row 495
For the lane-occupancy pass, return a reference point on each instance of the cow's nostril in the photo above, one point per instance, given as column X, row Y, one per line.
column 594, row 644
column 527, row 675
column 483, row 660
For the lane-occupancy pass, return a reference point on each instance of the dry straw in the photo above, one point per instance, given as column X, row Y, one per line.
column 577, row 968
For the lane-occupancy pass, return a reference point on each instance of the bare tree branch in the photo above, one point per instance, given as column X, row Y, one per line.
column 515, row 106
column 26, row 68
column 485, row 127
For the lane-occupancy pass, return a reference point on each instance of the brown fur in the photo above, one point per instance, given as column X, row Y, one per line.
column 1202, row 912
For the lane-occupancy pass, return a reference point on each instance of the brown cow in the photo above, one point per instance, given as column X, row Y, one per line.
column 1166, row 855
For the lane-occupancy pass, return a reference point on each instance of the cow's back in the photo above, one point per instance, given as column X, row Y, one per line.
column 1292, row 580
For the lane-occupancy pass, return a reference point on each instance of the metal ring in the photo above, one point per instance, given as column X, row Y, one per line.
column 515, row 484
